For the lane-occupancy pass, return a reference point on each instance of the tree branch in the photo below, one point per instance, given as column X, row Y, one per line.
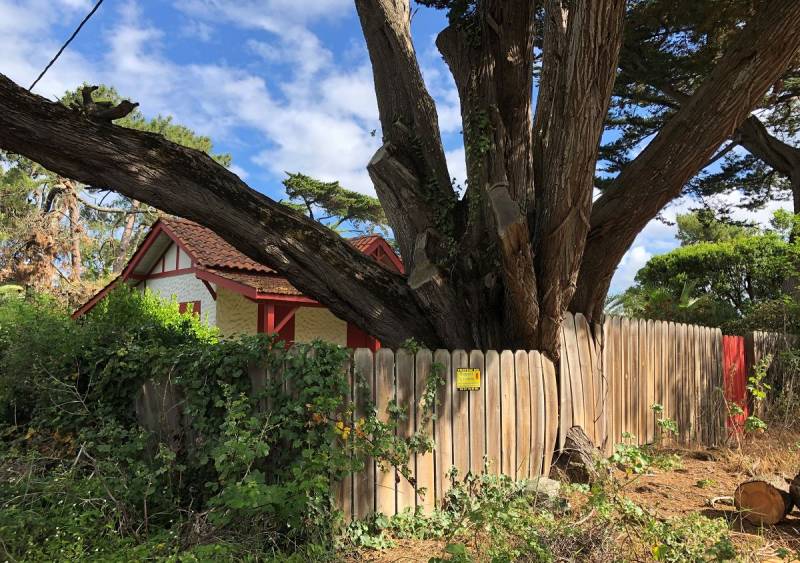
column 188, row 183
column 407, row 112
column 102, row 209
column 490, row 55
column 581, row 50
column 743, row 75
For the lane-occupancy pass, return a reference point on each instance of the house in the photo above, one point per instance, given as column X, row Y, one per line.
column 181, row 260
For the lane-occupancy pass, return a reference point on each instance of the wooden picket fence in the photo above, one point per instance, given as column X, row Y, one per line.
column 508, row 426
column 611, row 374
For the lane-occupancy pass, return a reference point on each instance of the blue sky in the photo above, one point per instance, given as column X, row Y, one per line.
column 282, row 85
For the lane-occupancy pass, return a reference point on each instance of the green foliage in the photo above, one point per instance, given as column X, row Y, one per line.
column 665, row 425
column 691, row 538
column 703, row 225
column 629, row 457
column 669, row 48
column 252, row 471
column 737, row 283
column 340, row 209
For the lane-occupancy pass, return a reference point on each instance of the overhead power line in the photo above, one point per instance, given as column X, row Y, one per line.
column 64, row 46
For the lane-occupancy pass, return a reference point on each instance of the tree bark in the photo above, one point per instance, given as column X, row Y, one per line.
column 75, row 229
column 125, row 239
column 781, row 156
column 498, row 268
column 679, row 151
column 581, row 47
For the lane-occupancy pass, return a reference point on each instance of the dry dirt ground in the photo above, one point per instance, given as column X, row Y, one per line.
column 705, row 474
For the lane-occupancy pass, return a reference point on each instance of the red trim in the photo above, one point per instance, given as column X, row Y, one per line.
column 237, row 287
column 262, row 315
column 288, row 316
column 86, row 307
column 177, row 257
column 161, row 274
column 379, row 243
column 210, row 289
column 277, row 318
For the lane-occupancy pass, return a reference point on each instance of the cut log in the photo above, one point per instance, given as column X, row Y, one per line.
column 794, row 490
column 578, row 459
column 763, row 501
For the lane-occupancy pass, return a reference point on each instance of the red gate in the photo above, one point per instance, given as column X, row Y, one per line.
column 735, row 372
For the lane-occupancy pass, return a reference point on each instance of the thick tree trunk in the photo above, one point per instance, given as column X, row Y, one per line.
column 499, row 267
column 763, row 500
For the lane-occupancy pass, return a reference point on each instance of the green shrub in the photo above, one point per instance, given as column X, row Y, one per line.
column 237, row 477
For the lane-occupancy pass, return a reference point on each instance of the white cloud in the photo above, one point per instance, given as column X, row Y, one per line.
column 198, row 30
column 631, row 263
column 271, row 15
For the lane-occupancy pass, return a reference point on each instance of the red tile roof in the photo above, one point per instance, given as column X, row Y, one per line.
column 263, row 283
column 209, row 249
column 364, row 243
column 212, row 254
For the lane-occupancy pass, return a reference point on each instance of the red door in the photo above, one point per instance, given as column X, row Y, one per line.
column 735, row 372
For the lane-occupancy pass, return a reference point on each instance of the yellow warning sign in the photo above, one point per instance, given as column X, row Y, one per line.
column 468, row 379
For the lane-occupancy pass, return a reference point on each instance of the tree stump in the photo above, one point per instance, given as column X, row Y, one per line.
column 764, row 500
column 578, row 459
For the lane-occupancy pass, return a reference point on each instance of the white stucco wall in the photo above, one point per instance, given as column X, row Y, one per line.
column 235, row 313
column 185, row 288
column 315, row 322
column 170, row 258
column 185, row 261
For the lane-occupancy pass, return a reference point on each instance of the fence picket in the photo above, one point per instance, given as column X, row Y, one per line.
column 405, row 384
column 443, row 452
column 364, row 385
column 551, row 413
column 523, row 441
column 493, row 412
column 385, row 493
column 477, row 416
column 537, row 413
column 461, row 429
column 564, row 390
column 424, row 470
column 585, row 347
column 508, row 414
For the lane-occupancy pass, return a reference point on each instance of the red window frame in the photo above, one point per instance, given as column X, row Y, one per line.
column 183, row 307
